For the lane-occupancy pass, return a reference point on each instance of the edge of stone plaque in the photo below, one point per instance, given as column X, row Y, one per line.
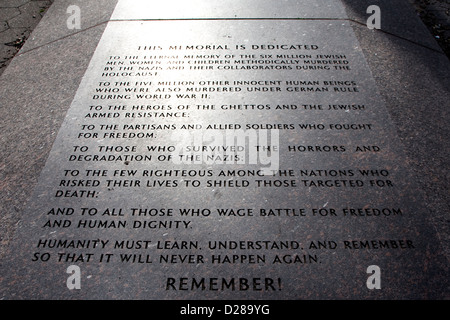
column 54, row 24
column 412, row 74
column 398, row 19
column 33, row 110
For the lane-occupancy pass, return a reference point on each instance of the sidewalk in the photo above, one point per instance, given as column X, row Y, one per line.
column 18, row 18
column 435, row 14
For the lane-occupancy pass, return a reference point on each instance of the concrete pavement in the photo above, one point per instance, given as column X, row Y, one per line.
column 435, row 14
column 18, row 18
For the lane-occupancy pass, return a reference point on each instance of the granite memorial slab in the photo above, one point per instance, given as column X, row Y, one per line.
column 226, row 159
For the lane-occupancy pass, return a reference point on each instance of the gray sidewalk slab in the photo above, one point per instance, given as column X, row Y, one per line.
column 435, row 14
column 47, row 70
column 38, row 86
column 198, row 9
column 18, row 19
column 415, row 82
